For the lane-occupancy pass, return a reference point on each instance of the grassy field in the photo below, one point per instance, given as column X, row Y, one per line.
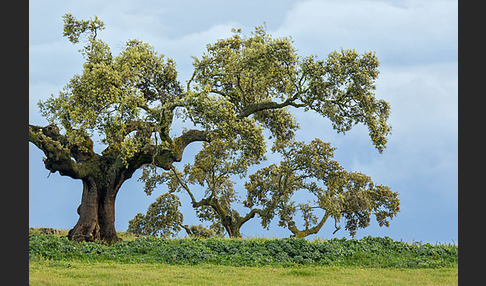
column 54, row 260
column 116, row 273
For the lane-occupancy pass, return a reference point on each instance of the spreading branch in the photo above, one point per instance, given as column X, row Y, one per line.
column 260, row 106
column 69, row 159
column 307, row 231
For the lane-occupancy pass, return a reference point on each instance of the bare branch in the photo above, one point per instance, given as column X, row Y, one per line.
column 183, row 184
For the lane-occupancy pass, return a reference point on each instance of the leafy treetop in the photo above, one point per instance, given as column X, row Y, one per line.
column 241, row 87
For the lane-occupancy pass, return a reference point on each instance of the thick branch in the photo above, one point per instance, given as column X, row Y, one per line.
column 308, row 231
column 249, row 216
column 164, row 157
column 255, row 107
column 188, row 137
column 60, row 153
column 187, row 229
column 204, row 202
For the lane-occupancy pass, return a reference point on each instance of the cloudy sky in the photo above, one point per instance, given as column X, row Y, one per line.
column 415, row 41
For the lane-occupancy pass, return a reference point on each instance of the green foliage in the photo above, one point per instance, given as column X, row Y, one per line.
column 73, row 28
column 365, row 252
column 310, row 168
column 162, row 218
column 261, row 75
column 244, row 85
column 271, row 191
column 242, row 88
column 125, row 99
column 199, row 231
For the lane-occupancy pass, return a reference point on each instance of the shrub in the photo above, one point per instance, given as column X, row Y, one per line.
column 365, row 252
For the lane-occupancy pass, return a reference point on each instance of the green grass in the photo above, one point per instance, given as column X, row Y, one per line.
column 54, row 260
column 64, row 232
column 43, row 272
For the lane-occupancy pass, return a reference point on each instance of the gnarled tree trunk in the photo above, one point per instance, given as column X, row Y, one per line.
column 96, row 213
column 87, row 228
column 102, row 175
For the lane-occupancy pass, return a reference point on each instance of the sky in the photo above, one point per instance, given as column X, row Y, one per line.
column 415, row 42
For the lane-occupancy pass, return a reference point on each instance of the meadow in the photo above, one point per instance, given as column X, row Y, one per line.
column 54, row 260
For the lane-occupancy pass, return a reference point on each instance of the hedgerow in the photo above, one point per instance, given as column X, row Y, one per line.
column 366, row 252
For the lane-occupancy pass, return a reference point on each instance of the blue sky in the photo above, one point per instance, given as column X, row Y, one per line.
column 415, row 41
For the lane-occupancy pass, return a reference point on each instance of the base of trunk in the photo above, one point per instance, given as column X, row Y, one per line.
column 85, row 232
column 91, row 233
column 96, row 213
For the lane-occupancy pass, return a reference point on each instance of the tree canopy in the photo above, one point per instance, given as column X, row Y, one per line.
column 251, row 84
column 243, row 88
column 309, row 168
column 306, row 171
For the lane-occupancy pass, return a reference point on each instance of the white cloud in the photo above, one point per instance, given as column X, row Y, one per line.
column 183, row 48
column 54, row 62
column 421, row 159
column 416, row 41
column 406, row 31
column 422, row 150
column 421, row 96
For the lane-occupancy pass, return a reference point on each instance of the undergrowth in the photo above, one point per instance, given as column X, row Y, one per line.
column 366, row 252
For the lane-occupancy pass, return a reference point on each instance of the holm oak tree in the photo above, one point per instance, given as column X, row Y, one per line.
column 242, row 88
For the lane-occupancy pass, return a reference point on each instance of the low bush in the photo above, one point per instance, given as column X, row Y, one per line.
column 365, row 252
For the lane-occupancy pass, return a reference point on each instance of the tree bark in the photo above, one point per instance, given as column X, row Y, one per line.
column 231, row 225
column 308, row 231
column 87, row 228
column 233, row 222
column 102, row 175
column 97, row 209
